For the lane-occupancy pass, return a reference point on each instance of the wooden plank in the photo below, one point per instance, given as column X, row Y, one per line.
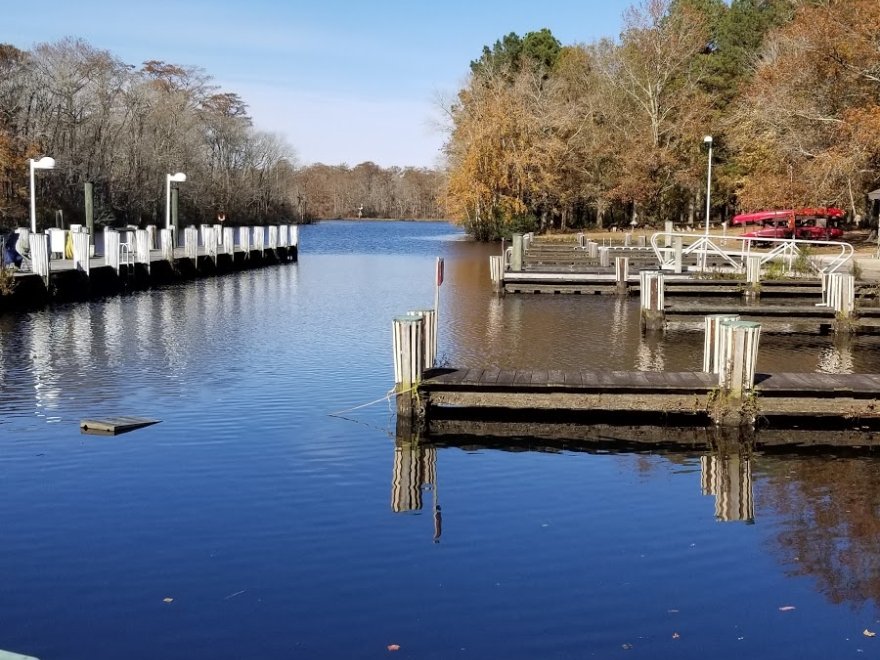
column 506, row 377
column 555, row 377
column 540, row 377
column 574, row 378
column 115, row 425
column 490, row 376
column 472, row 377
column 523, row 377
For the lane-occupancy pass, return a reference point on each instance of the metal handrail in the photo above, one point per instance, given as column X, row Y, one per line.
column 785, row 248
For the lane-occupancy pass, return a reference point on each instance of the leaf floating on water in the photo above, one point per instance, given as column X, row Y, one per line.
column 167, row 600
column 394, row 647
column 786, row 608
column 675, row 635
column 627, row 647
column 868, row 633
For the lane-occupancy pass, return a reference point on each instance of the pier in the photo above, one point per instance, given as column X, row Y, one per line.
column 140, row 259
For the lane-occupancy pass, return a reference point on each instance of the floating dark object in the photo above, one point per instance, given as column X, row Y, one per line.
column 115, row 425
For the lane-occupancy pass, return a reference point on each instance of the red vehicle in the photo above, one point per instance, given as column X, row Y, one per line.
column 811, row 224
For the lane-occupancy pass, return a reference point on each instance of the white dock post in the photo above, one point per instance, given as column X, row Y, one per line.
column 627, row 239
column 273, row 237
column 712, row 341
column 191, row 244
column 211, row 243
column 151, row 233
column 282, row 236
column 841, row 298
column 142, row 248
column 516, row 258
column 40, row 256
column 81, row 251
column 166, row 245
column 668, row 227
column 111, row 248
column 651, row 285
column 408, row 347
column 218, row 234
column 738, row 357
column 642, row 241
column 24, row 243
column 294, row 236
column 202, row 230
column 496, row 272
column 260, row 239
column 244, row 240
column 593, row 249
column 677, row 253
column 429, row 335
column 604, row 256
column 581, row 240
column 228, row 240
column 621, row 273
column 753, row 276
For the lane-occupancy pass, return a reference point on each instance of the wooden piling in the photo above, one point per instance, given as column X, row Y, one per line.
column 738, row 356
column 40, row 256
column 142, row 248
column 211, row 242
column 191, row 244
column 111, row 248
column 81, row 252
column 273, row 238
column 677, row 254
column 429, row 335
column 841, row 298
column 753, row 277
column 89, row 200
column 712, row 341
column 228, row 241
column 244, row 241
column 260, row 239
column 408, row 347
column 516, row 257
column 604, row 257
column 593, row 249
column 496, row 272
column 668, row 227
column 166, row 245
column 152, row 237
column 651, row 284
column 641, row 241
column 621, row 274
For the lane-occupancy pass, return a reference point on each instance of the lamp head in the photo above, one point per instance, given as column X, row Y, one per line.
column 707, row 139
column 180, row 177
column 45, row 163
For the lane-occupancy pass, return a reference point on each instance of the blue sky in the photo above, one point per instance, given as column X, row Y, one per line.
column 342, row 82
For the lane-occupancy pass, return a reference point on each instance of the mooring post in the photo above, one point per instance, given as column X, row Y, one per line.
column 40, row 256
column 841, row 298
column 111, row 248
column 166, row 245
column 429, row 335
column 651, row 287
column 642, row 241
column 81, row 251
column 244, row 240
column 753, row 277
column 604, row 256
column 593, row 249
column 621, row 274
column 677, row 253
column 738, row 357
column 142, row 248
column 627, row 239
column 712, row 341
column 229, row 240
column 581, row 240
column 516, row 257
column 496, row 272
column 191, row 243
column 667, row 237
column 408, row 347
column 151, row 237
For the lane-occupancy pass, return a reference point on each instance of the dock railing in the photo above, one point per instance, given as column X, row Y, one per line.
column 785, row 250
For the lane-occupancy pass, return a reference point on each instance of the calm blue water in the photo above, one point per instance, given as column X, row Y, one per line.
column 280, row 531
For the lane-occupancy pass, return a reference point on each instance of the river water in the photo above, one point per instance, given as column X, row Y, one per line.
column 253, row 523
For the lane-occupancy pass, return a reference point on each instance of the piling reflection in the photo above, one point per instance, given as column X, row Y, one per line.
column 414, row 473
column 838, row 357
column 728, row 477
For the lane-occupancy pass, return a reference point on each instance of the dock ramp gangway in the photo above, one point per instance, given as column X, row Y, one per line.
column 735, row 251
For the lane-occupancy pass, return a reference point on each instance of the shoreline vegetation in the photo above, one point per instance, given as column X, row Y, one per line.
column 543, row 136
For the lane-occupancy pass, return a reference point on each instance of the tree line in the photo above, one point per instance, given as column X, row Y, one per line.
column 124, row 128
column 613, row 132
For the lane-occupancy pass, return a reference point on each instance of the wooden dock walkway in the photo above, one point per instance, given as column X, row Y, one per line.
column 785, row 399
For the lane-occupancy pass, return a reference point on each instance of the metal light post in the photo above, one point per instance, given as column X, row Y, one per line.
column 45, row 163
column 707, row 140
column 177, row 178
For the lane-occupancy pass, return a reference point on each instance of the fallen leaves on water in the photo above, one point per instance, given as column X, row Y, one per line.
column 168, row 600
column 868, row 633
column 786, row 608
column 627, row 647
column 675, row 635
column 394, row 647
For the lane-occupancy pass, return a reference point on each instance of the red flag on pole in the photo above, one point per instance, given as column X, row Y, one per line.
column 439, row 271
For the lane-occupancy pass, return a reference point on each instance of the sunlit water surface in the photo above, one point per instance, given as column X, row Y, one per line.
column 252, row 523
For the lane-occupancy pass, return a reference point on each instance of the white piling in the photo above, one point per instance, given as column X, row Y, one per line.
column 593, row 249
column 211, row 243
column 40, row 256
column 166, row 245
column 142, row 247
column 228, row 243
column 191, row 243
column 841, row 294
column 429, row 335
column 651, row 287
column 667, row 238
column 738, row 357
column 496, row 271
column 621, row 273
column 677, row 254
column 260, row 239
column 712, row 341
column 273, row 237
column 294, row 236
column 151, row 233
column 244, row 240
column 111, row 248
column 81, row 251
column 604, row 257
column 408, row 346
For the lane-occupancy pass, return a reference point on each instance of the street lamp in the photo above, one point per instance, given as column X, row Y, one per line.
column 177, row 178
column 708, row 140
column 45, row 163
